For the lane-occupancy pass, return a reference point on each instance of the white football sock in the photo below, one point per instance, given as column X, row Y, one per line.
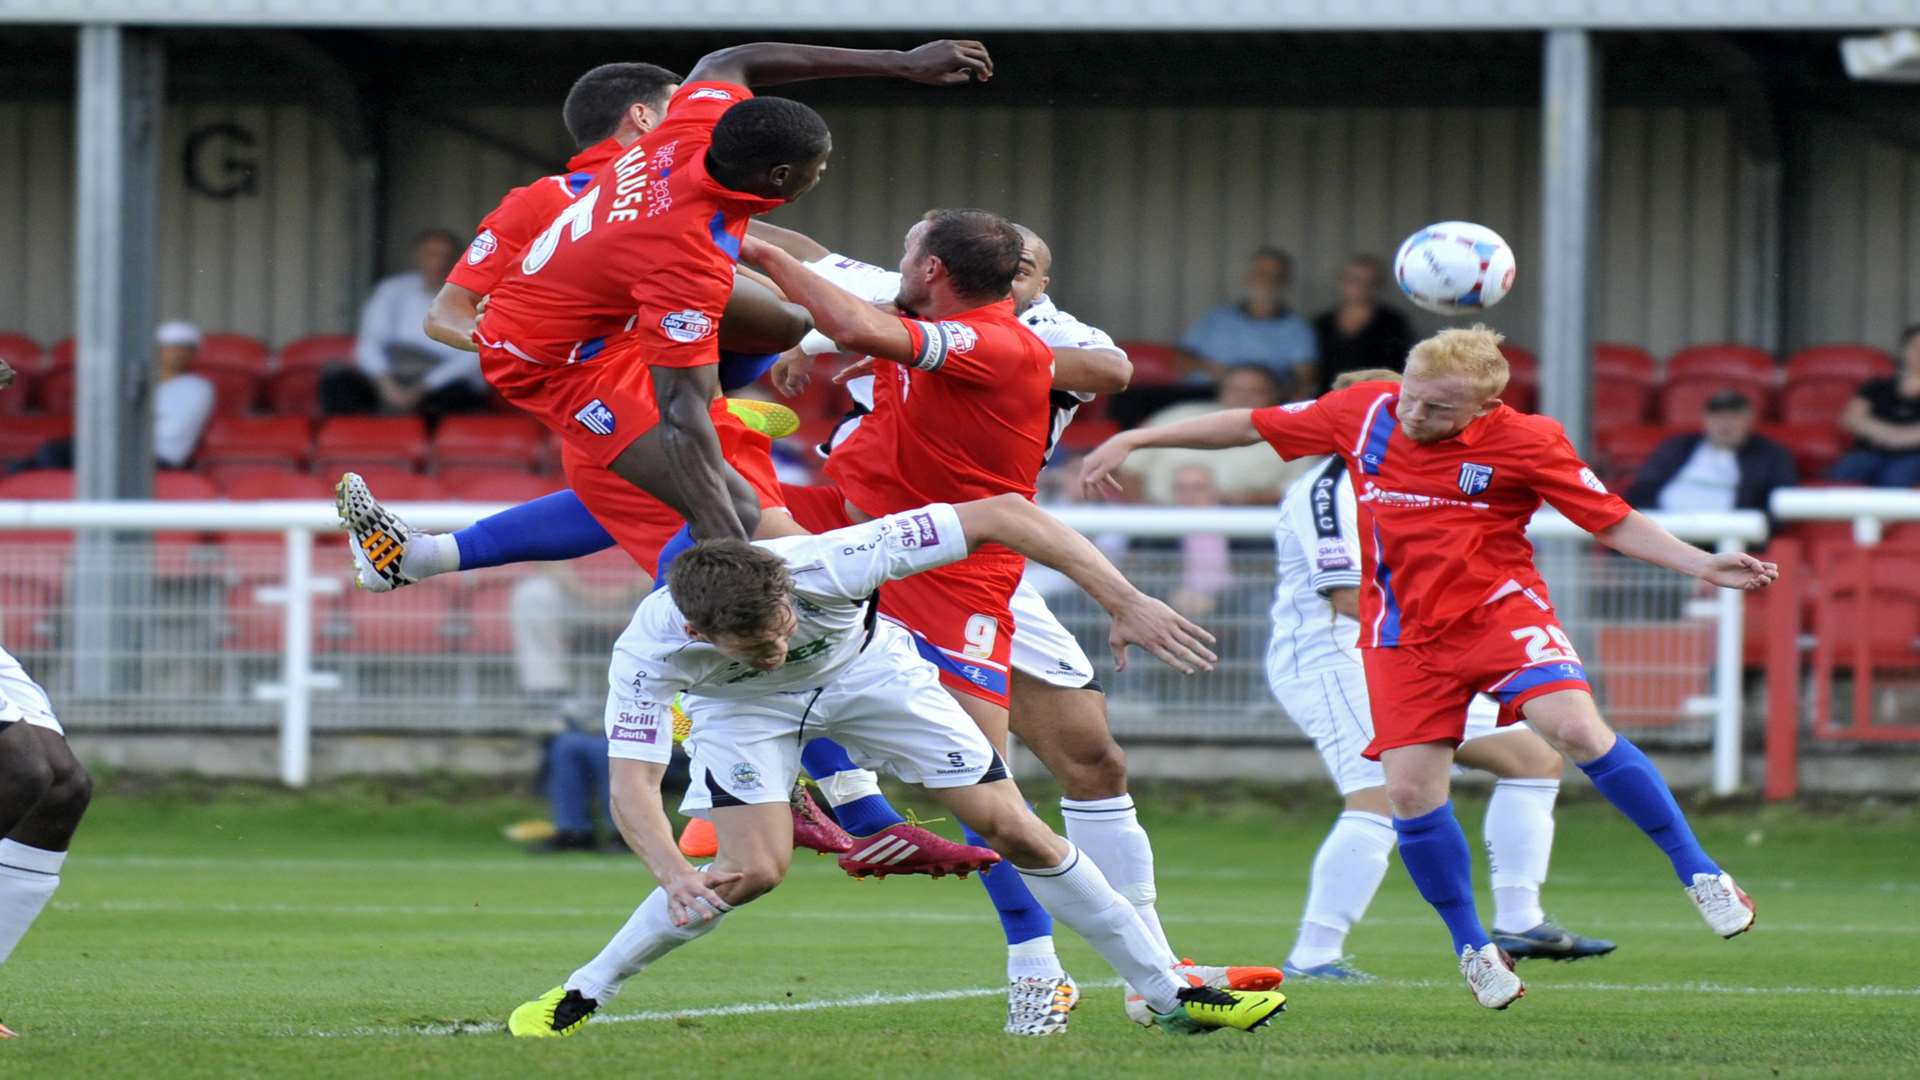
column 429, row 554
column 1034, row 958
column 28, row 876
column 1108, row 831
column 648, row 935
column 1076, row 894
column 1346, row 873
column 852, row 785
column 1519, row 835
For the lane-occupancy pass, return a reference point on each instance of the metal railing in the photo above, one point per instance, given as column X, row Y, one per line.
column 222, row 615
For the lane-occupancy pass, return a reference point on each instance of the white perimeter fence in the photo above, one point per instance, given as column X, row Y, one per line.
column 212, row 616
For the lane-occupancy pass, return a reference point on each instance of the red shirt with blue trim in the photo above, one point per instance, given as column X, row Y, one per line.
column 1442, row 525
column 968, row 418
column 641, row 261
column 504, row 234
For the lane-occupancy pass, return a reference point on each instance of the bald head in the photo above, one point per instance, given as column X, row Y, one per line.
column 1036, row 268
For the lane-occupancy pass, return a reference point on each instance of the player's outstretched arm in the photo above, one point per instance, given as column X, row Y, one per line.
column 1215, row 431
column 640, row 816
column 797, row 244
column 855, row 325
column 1091, row 371
column 1641, row 537
column 451, row 317
column 1138, row 619
column 768, row 63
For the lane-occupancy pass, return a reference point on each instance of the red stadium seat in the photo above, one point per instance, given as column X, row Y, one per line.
column 233, row 350
column 1730, row 360
column 38, row 556
column 489, row 619
column 1815, row 446
column 413, row 621
column 21, row 352
column 1684, row 399
column 20, row 436
column 1856, row 363
column 294, row 392
column 497, row 441
column 1650, row 672
column 1522, row 365
column 479, row 484
column 53, row 390
column 255, row 483
column 315, row 352
column 255, row 440
column 1625, row 449
column 1889, row 609
column 390, row 484
column 1154, row 364
column 1810, row 399
column 1624, row 361
column 350, row 442
column 18, row 397
column 38, row 484
column 183, row 554
column 60, row 354
column 235, row 387
column 1618, row 402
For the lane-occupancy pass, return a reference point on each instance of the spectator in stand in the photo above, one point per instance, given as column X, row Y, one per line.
column 1359, row 333
column 1261, row 328
column 397, row 367
column 1885, row 417
column 1249, row 474
column 1724, row 466
column 182, row 404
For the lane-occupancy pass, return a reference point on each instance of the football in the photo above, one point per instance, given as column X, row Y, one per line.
column 1454, row 268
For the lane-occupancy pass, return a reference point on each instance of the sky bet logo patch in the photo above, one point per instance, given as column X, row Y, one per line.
column 709, row 94
column 686, row 327
column 482, row 246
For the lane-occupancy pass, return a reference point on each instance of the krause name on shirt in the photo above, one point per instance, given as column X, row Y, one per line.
column 633, row 176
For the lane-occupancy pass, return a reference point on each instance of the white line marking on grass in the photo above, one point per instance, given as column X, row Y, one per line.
column 874, row 1000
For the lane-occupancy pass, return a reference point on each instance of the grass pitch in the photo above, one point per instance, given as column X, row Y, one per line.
column 360, row 934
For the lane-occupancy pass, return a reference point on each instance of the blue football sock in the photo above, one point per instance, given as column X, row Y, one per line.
column 861, row 817
column 674, row 548
column 1021, row 916
column 1635, row 788
column 1434, row 849
column 741, row 369
column 548, row 529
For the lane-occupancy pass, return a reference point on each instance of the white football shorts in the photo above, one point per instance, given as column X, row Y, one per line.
column 22, row 700
column 887, row 708
column 1331, row 707
column 1042, row 647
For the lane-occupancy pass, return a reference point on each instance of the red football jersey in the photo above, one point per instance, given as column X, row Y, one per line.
column 643, row 258
column 967, row 419
column 1442, row 525
column 505, row 233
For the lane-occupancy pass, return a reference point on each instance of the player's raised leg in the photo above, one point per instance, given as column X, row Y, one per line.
column 1571, row 721
column 1519, row 837
column 1075, row 891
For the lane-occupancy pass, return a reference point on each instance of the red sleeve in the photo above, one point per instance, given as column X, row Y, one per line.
column 697, row 106
column 679, row 316
column 1569, row 485
column 505, row 233
column 970, row 352
column 1304, row 428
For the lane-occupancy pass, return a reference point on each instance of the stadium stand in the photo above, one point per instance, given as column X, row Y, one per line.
column 1684, row 397
column 1856, row 362
column 1723, row 359
column 492, row 441
column 255, row 440
column 1625, row 361
column 1154, row 364
column 350, row 442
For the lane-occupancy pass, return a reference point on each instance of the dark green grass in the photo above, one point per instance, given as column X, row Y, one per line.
column 254, row 934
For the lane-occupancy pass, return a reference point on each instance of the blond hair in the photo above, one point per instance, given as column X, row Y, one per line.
column 1472, row 353
column 1378, row 374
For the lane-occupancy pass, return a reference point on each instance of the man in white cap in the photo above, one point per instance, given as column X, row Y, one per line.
column 182, row 401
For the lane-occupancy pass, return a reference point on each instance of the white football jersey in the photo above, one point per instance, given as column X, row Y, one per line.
column 1316, row 550
column 835, row 576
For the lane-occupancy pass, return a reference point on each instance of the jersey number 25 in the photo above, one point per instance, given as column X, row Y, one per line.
column 576, row 220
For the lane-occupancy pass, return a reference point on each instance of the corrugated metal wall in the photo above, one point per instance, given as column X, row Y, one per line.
column 276, row 263
column 1150, row 211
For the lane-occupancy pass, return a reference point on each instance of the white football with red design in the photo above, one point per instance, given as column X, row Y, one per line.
column 1454, row 268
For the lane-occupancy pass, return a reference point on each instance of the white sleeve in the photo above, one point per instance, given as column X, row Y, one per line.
column 640, row 692
column 1327, row 525
column 851, row 563
column 1063, row 331
column 864, row 280
column 181, row 406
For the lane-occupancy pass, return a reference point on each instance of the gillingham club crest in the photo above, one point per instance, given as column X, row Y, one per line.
column 1474, row 478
